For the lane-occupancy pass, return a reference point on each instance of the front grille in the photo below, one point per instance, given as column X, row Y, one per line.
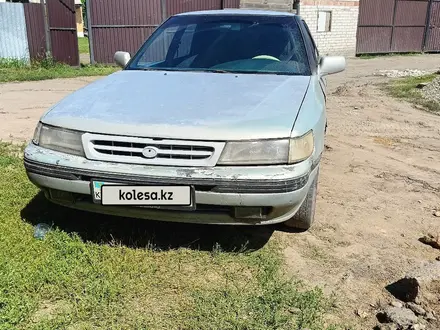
column 151, row 151
column 166, row 151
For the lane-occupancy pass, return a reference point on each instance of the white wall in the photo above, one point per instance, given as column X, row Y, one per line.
column 340, row 40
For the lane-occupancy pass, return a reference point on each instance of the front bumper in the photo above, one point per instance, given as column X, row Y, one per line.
column 278, row 189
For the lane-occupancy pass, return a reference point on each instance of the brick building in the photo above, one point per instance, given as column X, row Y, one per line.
column 333, row 23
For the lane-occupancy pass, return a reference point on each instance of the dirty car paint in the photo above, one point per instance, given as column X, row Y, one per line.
column 140, row 103
column 45, row 156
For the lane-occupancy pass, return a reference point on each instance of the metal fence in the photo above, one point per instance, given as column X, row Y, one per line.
column 61, row 20
column 432, row 38
column 13, row 34
column 177, row 6
column 33, row 30
column 387, row 26
column 124, row 25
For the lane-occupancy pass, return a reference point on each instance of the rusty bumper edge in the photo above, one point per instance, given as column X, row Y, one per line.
column 208, row 184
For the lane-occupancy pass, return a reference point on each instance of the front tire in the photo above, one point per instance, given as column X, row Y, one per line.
column 304, row 218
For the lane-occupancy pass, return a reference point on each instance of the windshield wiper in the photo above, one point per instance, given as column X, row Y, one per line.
column 217, row 71
column 155, row 69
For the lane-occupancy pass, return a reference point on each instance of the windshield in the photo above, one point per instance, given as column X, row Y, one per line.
column 225, row 43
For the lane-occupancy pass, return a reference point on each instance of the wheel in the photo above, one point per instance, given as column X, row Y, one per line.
column 303, row 219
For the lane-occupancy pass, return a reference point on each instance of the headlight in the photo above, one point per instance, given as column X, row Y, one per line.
column 268, row 152
column 59, row 139
column 301, row 148
column 255, row 152
column 37, row 132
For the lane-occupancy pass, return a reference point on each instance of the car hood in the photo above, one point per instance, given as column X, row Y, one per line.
column 184, row 105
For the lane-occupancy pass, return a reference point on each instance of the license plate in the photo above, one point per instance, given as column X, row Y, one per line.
column 119, row 194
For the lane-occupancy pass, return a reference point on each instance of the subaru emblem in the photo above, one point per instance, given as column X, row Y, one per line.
column 149, row 152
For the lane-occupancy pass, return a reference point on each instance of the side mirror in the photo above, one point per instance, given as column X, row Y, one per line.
column 122, row 58
column 331, row 65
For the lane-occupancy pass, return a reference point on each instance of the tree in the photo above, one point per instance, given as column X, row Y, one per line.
column 84, row 11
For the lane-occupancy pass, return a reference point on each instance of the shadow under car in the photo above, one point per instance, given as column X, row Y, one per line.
column 137, row 233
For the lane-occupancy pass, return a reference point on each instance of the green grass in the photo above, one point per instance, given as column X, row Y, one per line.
column 13, row 70
column 372, row 56
column 98, row 272
column 83, row 45
column 406, row 88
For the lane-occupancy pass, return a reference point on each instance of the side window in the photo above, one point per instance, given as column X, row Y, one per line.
column 315, row 49
column 174, row 40
column 185, row 42
column 158, row 48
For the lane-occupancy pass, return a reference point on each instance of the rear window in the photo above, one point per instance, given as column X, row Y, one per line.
column 225, row 43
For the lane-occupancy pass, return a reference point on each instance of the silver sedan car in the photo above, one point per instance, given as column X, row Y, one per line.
column 219, row 118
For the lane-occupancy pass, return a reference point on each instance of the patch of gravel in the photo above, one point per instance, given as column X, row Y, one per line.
column 401, row 73
column 432, row 90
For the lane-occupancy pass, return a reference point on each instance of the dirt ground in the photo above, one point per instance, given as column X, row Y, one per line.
column 379, row 184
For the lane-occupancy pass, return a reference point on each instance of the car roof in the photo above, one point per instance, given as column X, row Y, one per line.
column 247, row 12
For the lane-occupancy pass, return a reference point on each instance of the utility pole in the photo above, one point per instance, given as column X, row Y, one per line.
column 46, row 29
column 296, row 6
